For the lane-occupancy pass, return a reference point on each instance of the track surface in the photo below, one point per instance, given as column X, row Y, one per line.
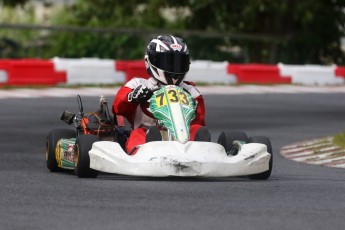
column 297, row 196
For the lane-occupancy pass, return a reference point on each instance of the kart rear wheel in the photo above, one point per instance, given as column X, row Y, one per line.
column 52, row 139
column 81, row 156
column 226, row 139
column 263, row 140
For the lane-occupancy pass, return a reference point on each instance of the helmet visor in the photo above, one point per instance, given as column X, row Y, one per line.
column 173, row 62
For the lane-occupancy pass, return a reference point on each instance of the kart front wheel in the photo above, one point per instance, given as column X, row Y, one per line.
column 226, row 139
column 52, row 139
column 263, row 140
column 81, row 156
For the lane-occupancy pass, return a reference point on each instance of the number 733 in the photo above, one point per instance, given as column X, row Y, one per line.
column 174, row 96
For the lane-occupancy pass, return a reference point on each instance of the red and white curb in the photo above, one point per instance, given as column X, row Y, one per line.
column 318, row 152
column 111, row 91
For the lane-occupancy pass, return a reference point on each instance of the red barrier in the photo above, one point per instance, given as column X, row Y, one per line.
column 258, row 74
column 340, row 71
column 123, row 65
column 132, row 69
column 33, row 72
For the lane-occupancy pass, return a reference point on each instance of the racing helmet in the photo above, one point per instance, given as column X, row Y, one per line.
column 167, row 59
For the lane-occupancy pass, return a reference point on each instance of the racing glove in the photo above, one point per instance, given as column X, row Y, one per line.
column 140, row 94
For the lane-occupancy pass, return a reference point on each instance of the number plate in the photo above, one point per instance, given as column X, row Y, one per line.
column 174, row 107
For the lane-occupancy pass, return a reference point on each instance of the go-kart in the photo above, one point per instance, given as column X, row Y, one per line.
column 97, row 144
column 175, row 155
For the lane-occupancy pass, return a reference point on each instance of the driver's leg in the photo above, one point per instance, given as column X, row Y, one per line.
column 137, row 137
column 199, row 133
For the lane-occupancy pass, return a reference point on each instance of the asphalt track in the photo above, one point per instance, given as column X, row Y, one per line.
column 296, row 196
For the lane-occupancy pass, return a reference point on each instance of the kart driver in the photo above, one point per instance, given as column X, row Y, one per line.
column 167, row 61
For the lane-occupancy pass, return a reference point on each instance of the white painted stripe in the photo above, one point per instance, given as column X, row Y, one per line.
column 339, row 166
column 326, row 156
column 294, row 151
column 308, row 143
column 311, row 154
column 329, row 155
column 328, row 160
column 325, row 161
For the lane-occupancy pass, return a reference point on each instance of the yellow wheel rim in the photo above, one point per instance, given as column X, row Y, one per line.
column 47, row 150
column 76, row 156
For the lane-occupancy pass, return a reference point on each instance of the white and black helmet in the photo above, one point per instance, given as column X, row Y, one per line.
column 167, row 59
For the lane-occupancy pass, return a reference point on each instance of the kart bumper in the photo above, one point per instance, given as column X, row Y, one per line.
column 192, row 159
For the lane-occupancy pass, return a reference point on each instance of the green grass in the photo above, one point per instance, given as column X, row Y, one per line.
column 339, row 140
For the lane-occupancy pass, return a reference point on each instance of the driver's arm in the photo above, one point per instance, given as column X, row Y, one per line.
column 200, row 112
column 121, row 105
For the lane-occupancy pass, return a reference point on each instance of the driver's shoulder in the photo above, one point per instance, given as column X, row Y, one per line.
column 191, row 88
column 136, row 81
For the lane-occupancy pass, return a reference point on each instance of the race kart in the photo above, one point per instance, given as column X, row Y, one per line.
column 98, row 144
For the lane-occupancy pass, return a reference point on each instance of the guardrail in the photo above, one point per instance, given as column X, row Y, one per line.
column 30, row 72
column 312, row 74
column 59, row 71
column 258, row 74
column 89, row 71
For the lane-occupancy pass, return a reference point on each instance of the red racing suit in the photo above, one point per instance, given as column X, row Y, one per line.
column 139, row 121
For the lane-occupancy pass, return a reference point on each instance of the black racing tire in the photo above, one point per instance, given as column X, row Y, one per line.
column 81, row 156
column 52, row 139
column 227, row 138
column 263, row 140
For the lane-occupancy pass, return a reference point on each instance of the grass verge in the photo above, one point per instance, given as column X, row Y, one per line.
column 339, row 140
